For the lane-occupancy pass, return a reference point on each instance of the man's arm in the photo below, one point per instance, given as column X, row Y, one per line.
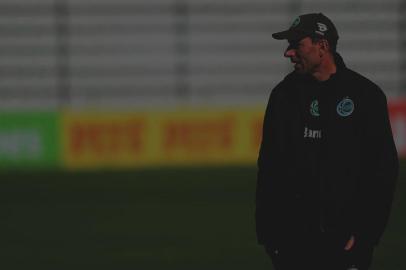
column 268, row 169
column 378, row 172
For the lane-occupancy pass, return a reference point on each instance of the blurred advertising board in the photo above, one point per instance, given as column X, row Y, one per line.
column 29, row 139
column 97, row 140
column 397, row 114
column 179, row 137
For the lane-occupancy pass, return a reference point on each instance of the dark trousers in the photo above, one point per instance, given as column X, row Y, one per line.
column 320, row 256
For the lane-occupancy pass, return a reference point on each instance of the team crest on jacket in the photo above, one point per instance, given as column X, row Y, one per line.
column 345, row 107
column 314, row 108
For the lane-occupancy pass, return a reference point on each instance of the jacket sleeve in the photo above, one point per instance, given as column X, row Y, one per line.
column 268, row 159
column 379, row 170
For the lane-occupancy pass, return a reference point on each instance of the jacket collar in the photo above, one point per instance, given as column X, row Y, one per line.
column 339, row 61
column 340, row 68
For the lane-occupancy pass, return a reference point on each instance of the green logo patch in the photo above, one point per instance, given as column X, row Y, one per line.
column 314, row 108
column 296, row 22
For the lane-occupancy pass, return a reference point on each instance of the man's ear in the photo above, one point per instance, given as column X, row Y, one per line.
column 324, row 46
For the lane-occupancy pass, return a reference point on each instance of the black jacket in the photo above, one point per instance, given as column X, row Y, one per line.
column 355, row 166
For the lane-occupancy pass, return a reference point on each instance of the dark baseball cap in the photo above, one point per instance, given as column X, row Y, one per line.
column 310, row 25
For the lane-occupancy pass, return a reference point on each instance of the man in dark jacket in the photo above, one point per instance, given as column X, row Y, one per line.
column 328, row 164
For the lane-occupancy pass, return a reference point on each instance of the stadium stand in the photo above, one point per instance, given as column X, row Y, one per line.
column 126, row 54
column 28, row 66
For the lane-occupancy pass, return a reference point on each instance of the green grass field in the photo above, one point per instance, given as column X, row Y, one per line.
column 190, row 218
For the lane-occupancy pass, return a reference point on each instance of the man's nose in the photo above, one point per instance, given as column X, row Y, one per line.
column 290, row 52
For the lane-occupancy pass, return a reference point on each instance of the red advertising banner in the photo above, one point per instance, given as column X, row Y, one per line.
column 397, row 114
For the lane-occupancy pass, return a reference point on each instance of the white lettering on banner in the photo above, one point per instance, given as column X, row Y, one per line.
column 314, row 134
column 20, row 144
column 399, row 133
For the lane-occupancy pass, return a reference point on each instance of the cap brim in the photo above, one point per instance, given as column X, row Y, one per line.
column 289, row 35
column 281, row 35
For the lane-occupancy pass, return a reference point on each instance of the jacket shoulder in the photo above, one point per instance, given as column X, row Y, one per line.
column 283, row 86
column 365, row 86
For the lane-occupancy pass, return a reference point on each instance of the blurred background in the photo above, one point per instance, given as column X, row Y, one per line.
column 129, row 130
